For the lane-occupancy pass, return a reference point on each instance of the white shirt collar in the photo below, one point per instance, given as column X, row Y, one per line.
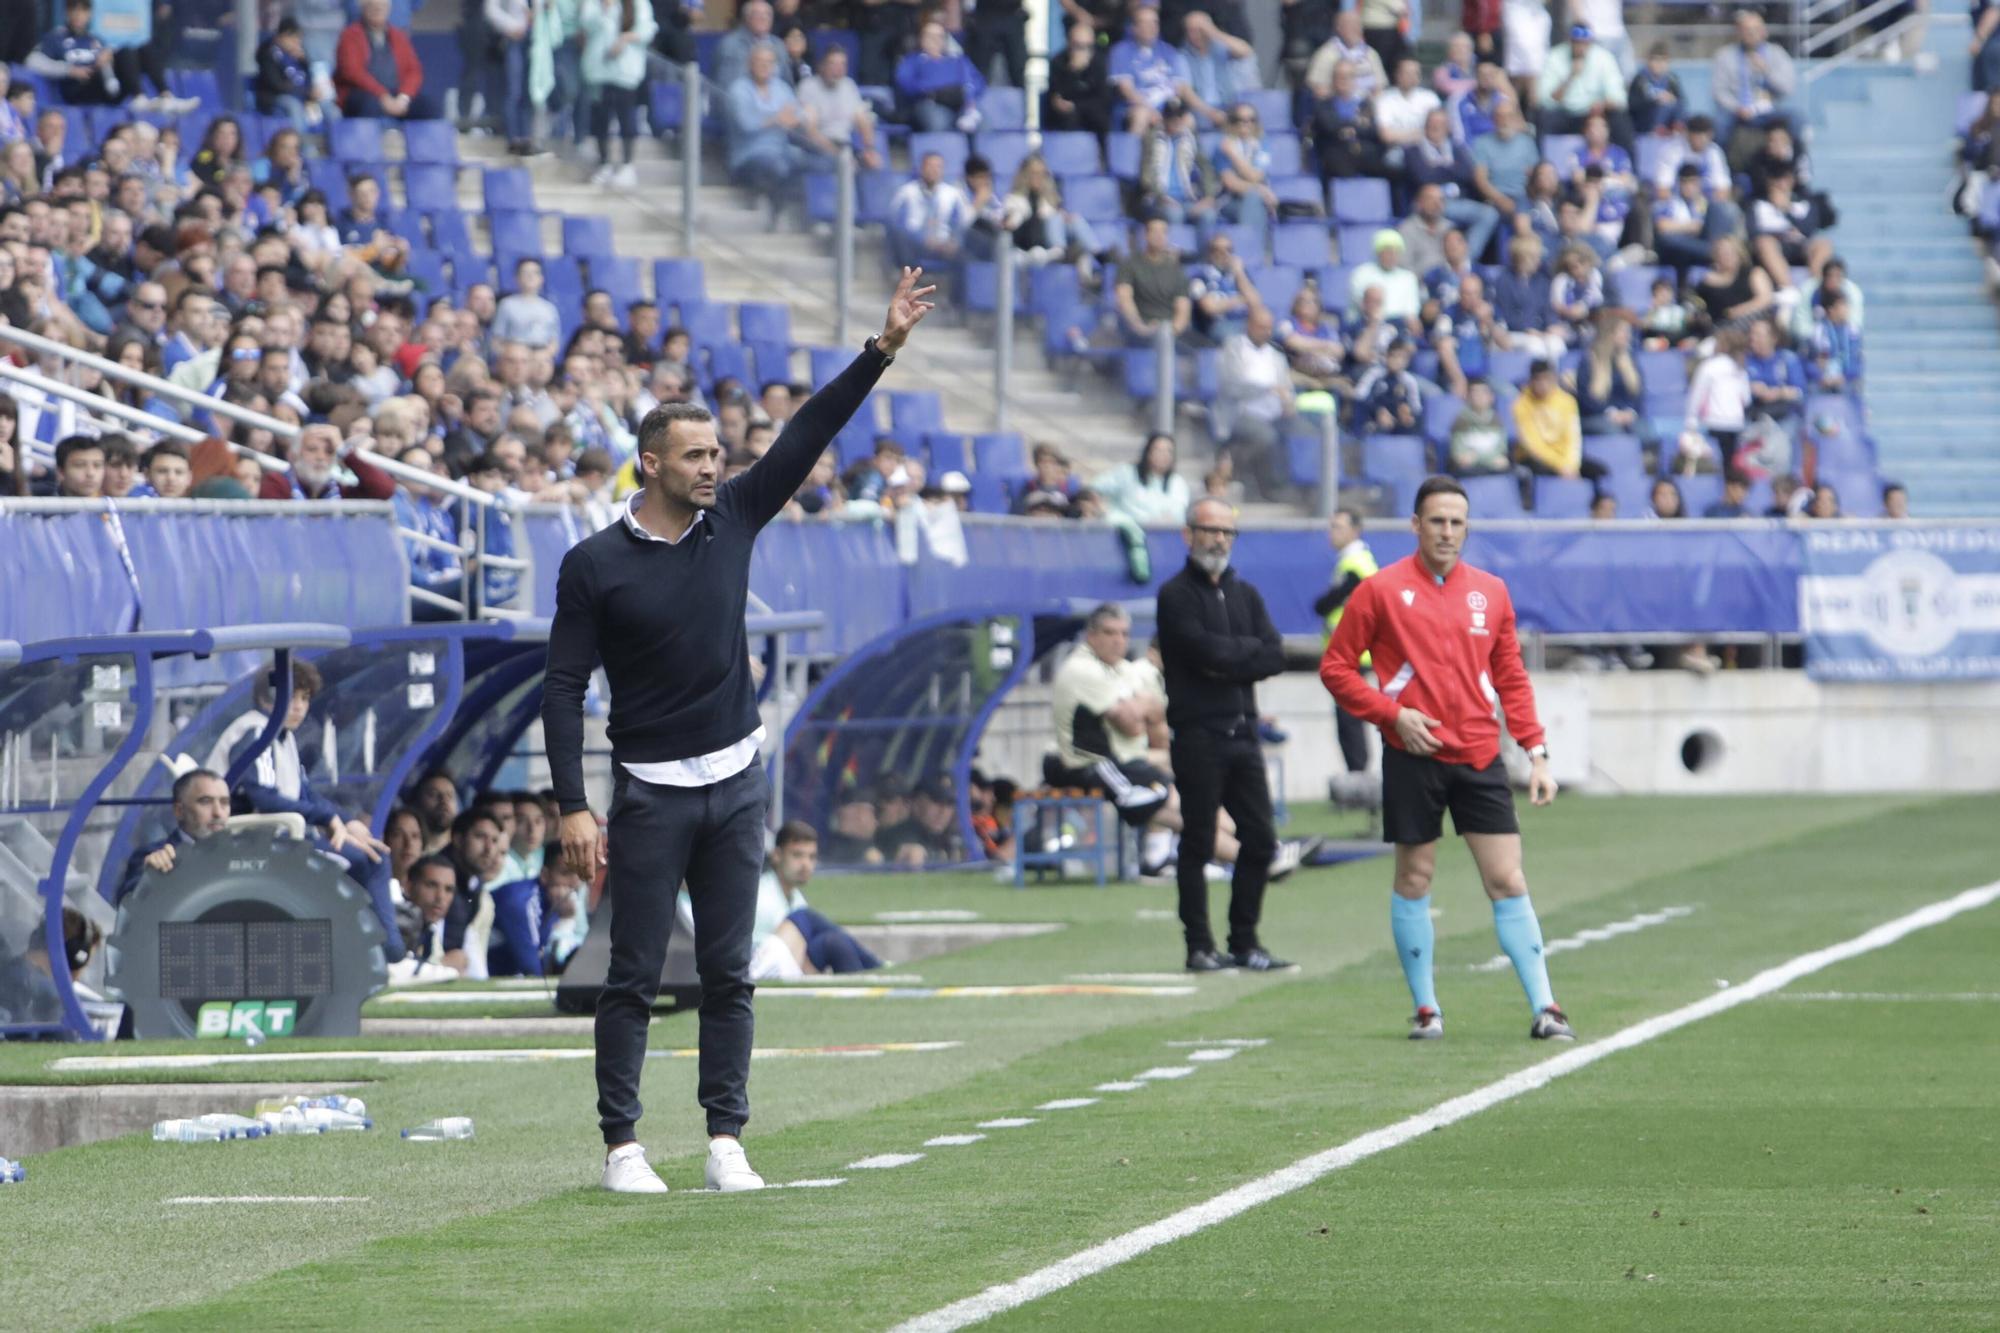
column 640, row 531
column 1355, row 547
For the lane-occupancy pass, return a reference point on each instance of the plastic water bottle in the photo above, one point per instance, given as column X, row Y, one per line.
column 285, row 1120
column 12, row 1173
column 185, row 1131
column 234, row 1126
column 325, row 1119
column 335, row 1101
column 450, row 1127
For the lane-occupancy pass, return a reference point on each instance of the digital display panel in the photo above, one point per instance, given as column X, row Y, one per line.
column 238, row 960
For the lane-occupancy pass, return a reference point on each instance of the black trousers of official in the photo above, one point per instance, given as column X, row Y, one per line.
column 1352, row 734
column 713, row 838
column 1222, row 770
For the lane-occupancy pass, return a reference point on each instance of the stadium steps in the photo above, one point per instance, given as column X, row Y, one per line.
column 1882, row 147
column 746, row 261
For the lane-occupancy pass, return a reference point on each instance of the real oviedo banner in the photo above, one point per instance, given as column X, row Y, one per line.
column 1901, row 602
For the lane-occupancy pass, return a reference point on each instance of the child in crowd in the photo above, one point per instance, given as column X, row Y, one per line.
column 1478, row 444
column 1666, row 321
column 1836, row 348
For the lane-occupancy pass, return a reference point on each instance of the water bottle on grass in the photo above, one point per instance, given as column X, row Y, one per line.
column 324, row 1119
column 185, row 1131
column 234, row 1126
column 12, row 1173
column 450, row 1127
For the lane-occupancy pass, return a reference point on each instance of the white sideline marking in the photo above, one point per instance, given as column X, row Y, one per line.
column 1286, row 1180
column 1157, row 978
column 884, row 1161
column 1165, row 1071
column 268, row 1198
column 825, row 1184
column 1595, row 935
column 1245, row 1042
column 952, row 1140
column 1210, row 1056
column 929, row 914
column 1123, row 1085
column 472, row 1057
column 1011, row 1122
column 1067, row 1103
column 1967, row 996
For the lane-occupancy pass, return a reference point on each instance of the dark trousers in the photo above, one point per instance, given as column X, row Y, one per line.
column 1352, row 733
column 620, row 107
column 374, row 877
column 1004, row 35
column 367, row 106
column 713, row 838
column 830, row 948
column 1216, row 771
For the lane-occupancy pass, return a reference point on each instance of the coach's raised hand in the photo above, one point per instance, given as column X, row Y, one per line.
column 907, row 309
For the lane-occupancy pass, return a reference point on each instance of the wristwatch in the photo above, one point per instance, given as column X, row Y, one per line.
column 1538, row 751
column 874, row 344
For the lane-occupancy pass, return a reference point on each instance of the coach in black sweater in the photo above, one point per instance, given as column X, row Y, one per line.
column 658, row 598
column 1216, row 643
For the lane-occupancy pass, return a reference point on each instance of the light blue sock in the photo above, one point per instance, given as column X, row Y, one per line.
column 1520, row 933
column 1410, row 921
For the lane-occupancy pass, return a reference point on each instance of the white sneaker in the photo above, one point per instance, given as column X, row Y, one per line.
column 410, row 970
column 602, row 176
column 625, row 178
column 728, row 1169
column 627, row 1172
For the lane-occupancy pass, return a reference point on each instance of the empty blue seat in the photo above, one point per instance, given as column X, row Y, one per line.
column 825, row 363
column 1493, row 497
column 430, row 187
column 357, row 141
column 330, row 179
column 1003, row 109
column 1001, row 454
column 1633, row 287
column 1053, row 287
column 708, row 324
column 516, row 231
column 1004, row 151
column 873, row 192
column 1277, row 284
column 856, row 440
column 666, row 105
column 1395, row 458
column 1699, row 492
column 1663, row 371
column 1272, row 105
column 1357, row 242
column 1284, row 151
column 915, row 410
column 679, row 282
column 979, row 286
column 451, row 233
column 431, row 141
column 1361, row 200
column 726, row 361
column 1095, row 198
column 764, row 321
column 949, row 145
column 1072, row 153
column 198, row 83
column 1622, row 455
column 618, row 276
column 773, row 361
column 1563, row 497
column 991, row 493
column 1440, row 411
column 1121, row 151
column 507, row 187
column 1563, row 150
column 1859, row 489
column 587, row 237
column 1142, row 373
column 945, row 452
column 1302, row 244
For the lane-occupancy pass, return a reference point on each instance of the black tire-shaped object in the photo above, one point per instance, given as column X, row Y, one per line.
column 248, row 875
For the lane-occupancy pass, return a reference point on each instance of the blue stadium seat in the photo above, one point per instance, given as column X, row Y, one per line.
column 1646, row 159
column 1633, row 287
column 979, row 285
column 773, row 361
column 587, row 237
column 727, row 361
column 507, row 187
column 1440, row 411
column 915, row 410
column 1389, row 458
column 1071, row 153
column 1663, row 371
column 1622, row 455
column 1303, row 244
column 1276, row 284
column 708, row 324
column 516, row 231
column 679, row 282
column 950, row 145
column 330, row 179
column 1004, row 150
column 427, row 267
column 1699, row 492
column 1201, row 375
column 1563, row 497
column 1859, row 489
column 451, row 233
column 1285, row 161
column 1000, row 454
column 1357, row 242
column 430, row 187
column 1836, row 414
column 946, row 452
column 764, row 321
column 1300, row 191
column 873, row 192
column 1362, row 200
column 1334, row 280
column 1122, row 155
column 825, row 363
column 665, row 105
column 1053, row 287
column 200, row 84
column 356, row 141
column 1142, row 374
column 1494, row 497
column 1303, row 458
column 1273, row 106
column 430, row 141
column 1841, row 451
column 1507, row 367
column 991, row 493
column 822, row 196
column 1003, row 109
column 856, row 440
column 619, row 276
column 1563, row 150
column 1094, row 198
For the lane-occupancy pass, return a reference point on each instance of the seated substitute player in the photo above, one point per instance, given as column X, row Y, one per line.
column 1104, row 709
column 1442, row 637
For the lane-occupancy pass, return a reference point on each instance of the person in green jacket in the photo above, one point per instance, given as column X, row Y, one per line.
column 1352, row 562
column 616, row 34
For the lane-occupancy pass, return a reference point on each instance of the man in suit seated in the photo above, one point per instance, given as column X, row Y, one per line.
column 201, row 809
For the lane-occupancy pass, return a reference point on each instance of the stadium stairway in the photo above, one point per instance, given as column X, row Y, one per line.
column 746, row 261
column 1882, row 146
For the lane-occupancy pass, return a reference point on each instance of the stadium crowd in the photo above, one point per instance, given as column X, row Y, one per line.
column 1532, row 266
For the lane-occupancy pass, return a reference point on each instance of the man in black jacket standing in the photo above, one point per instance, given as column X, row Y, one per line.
column 658, row 597
column 1218, row 642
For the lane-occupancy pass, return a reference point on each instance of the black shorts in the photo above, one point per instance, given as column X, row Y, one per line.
column 1139, row 789
column 1416, row 792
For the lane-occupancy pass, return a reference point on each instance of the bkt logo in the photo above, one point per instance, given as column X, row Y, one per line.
column 246, row 1018
column 235, row 866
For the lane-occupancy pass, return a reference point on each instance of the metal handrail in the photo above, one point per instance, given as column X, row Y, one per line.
column 34, row 379
column 35, row 342
column 417, row 476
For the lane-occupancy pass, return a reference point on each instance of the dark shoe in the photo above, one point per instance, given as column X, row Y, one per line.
column 1271, row 733
column 1257, row 960
column 1207, row 960
column 1552, row 1024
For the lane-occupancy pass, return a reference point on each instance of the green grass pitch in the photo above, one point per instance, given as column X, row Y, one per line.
column 1825, row 1157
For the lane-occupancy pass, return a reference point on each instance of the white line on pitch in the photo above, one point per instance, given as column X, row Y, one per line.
column 1067, row 1103
column 884, row 1161
column 1225, row 1041
column 1595, row 935
column 1165, row 1071
column 827, row 1183
column 952, row 1140
column 1288, row 1179
column 1213, row 1054
column 1897, row 997
column 268, row 1198
column 1122, row 1085
column 1011, row 1122
column 1158, row 978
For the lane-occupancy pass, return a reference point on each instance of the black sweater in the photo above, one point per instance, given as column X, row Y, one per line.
column 1218, row 642
column 667, row 620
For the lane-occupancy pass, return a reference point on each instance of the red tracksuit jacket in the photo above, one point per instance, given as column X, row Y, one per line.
column 1447, row 650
